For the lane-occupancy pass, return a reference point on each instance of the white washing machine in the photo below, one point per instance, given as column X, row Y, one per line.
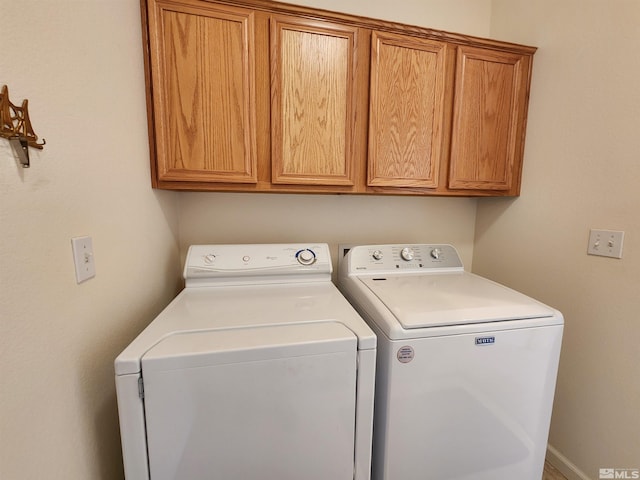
column 259, row 369
column 466, row 367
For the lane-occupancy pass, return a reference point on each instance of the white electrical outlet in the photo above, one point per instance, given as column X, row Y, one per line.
column 606, row 243
column 343, row 249
column 83, row 258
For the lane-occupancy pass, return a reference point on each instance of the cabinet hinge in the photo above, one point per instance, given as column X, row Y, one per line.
column 140, row 388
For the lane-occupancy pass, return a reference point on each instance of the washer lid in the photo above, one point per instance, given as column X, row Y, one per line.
column 431, row 300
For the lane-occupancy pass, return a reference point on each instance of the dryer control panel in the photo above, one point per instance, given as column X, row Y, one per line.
column 232, row 264
column 401, row 257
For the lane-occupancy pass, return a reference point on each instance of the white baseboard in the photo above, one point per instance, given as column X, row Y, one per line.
column 562, row 463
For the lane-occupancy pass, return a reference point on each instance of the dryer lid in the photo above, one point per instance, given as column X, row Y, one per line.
column 249, row 344
column 431, row 300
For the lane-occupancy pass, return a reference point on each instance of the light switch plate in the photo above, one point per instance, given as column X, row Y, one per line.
column 605, row 243
column 83, row 258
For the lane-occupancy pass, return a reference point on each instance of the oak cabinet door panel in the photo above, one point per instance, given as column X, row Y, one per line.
column 406, row 110
column 489, row 119
column 312, row 106
column 203, row 80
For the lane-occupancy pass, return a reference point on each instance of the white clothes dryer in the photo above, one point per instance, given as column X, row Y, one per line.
column 259, row 369
column 466, row 367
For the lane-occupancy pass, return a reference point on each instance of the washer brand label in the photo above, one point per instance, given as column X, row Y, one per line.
column 485, row 340
column 405, row 354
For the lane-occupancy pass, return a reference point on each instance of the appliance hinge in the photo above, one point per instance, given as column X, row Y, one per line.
column 140, row 388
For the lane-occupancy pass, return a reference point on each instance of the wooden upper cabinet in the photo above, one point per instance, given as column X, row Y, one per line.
column 489, row 117
column 406, row 110
column 202, row 68
column 313, row 102
column 261, row 96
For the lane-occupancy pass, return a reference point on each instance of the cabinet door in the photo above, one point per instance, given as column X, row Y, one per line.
column 491, row 95
column 406, row 110
column 202, row 68
column 313, row 102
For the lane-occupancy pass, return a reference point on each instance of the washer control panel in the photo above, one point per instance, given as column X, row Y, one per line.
column 378, row 258
column 219, row 262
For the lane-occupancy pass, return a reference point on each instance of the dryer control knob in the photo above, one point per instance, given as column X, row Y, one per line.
column 306, row 257
column 377, row 255
column 435, row 253
column 208, row 259
column 407, row 253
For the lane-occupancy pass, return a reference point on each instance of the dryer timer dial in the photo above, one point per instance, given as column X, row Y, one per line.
column 306, row 257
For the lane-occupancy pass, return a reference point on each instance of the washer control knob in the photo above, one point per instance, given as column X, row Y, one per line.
column 435, row 253
column 377, row 255
column 208, row 259
column 407, row 253
column 306, row 257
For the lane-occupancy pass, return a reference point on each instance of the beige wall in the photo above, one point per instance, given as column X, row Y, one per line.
column 80, row 65
column 472, row 17
column 334, row 219
column 582, row 171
